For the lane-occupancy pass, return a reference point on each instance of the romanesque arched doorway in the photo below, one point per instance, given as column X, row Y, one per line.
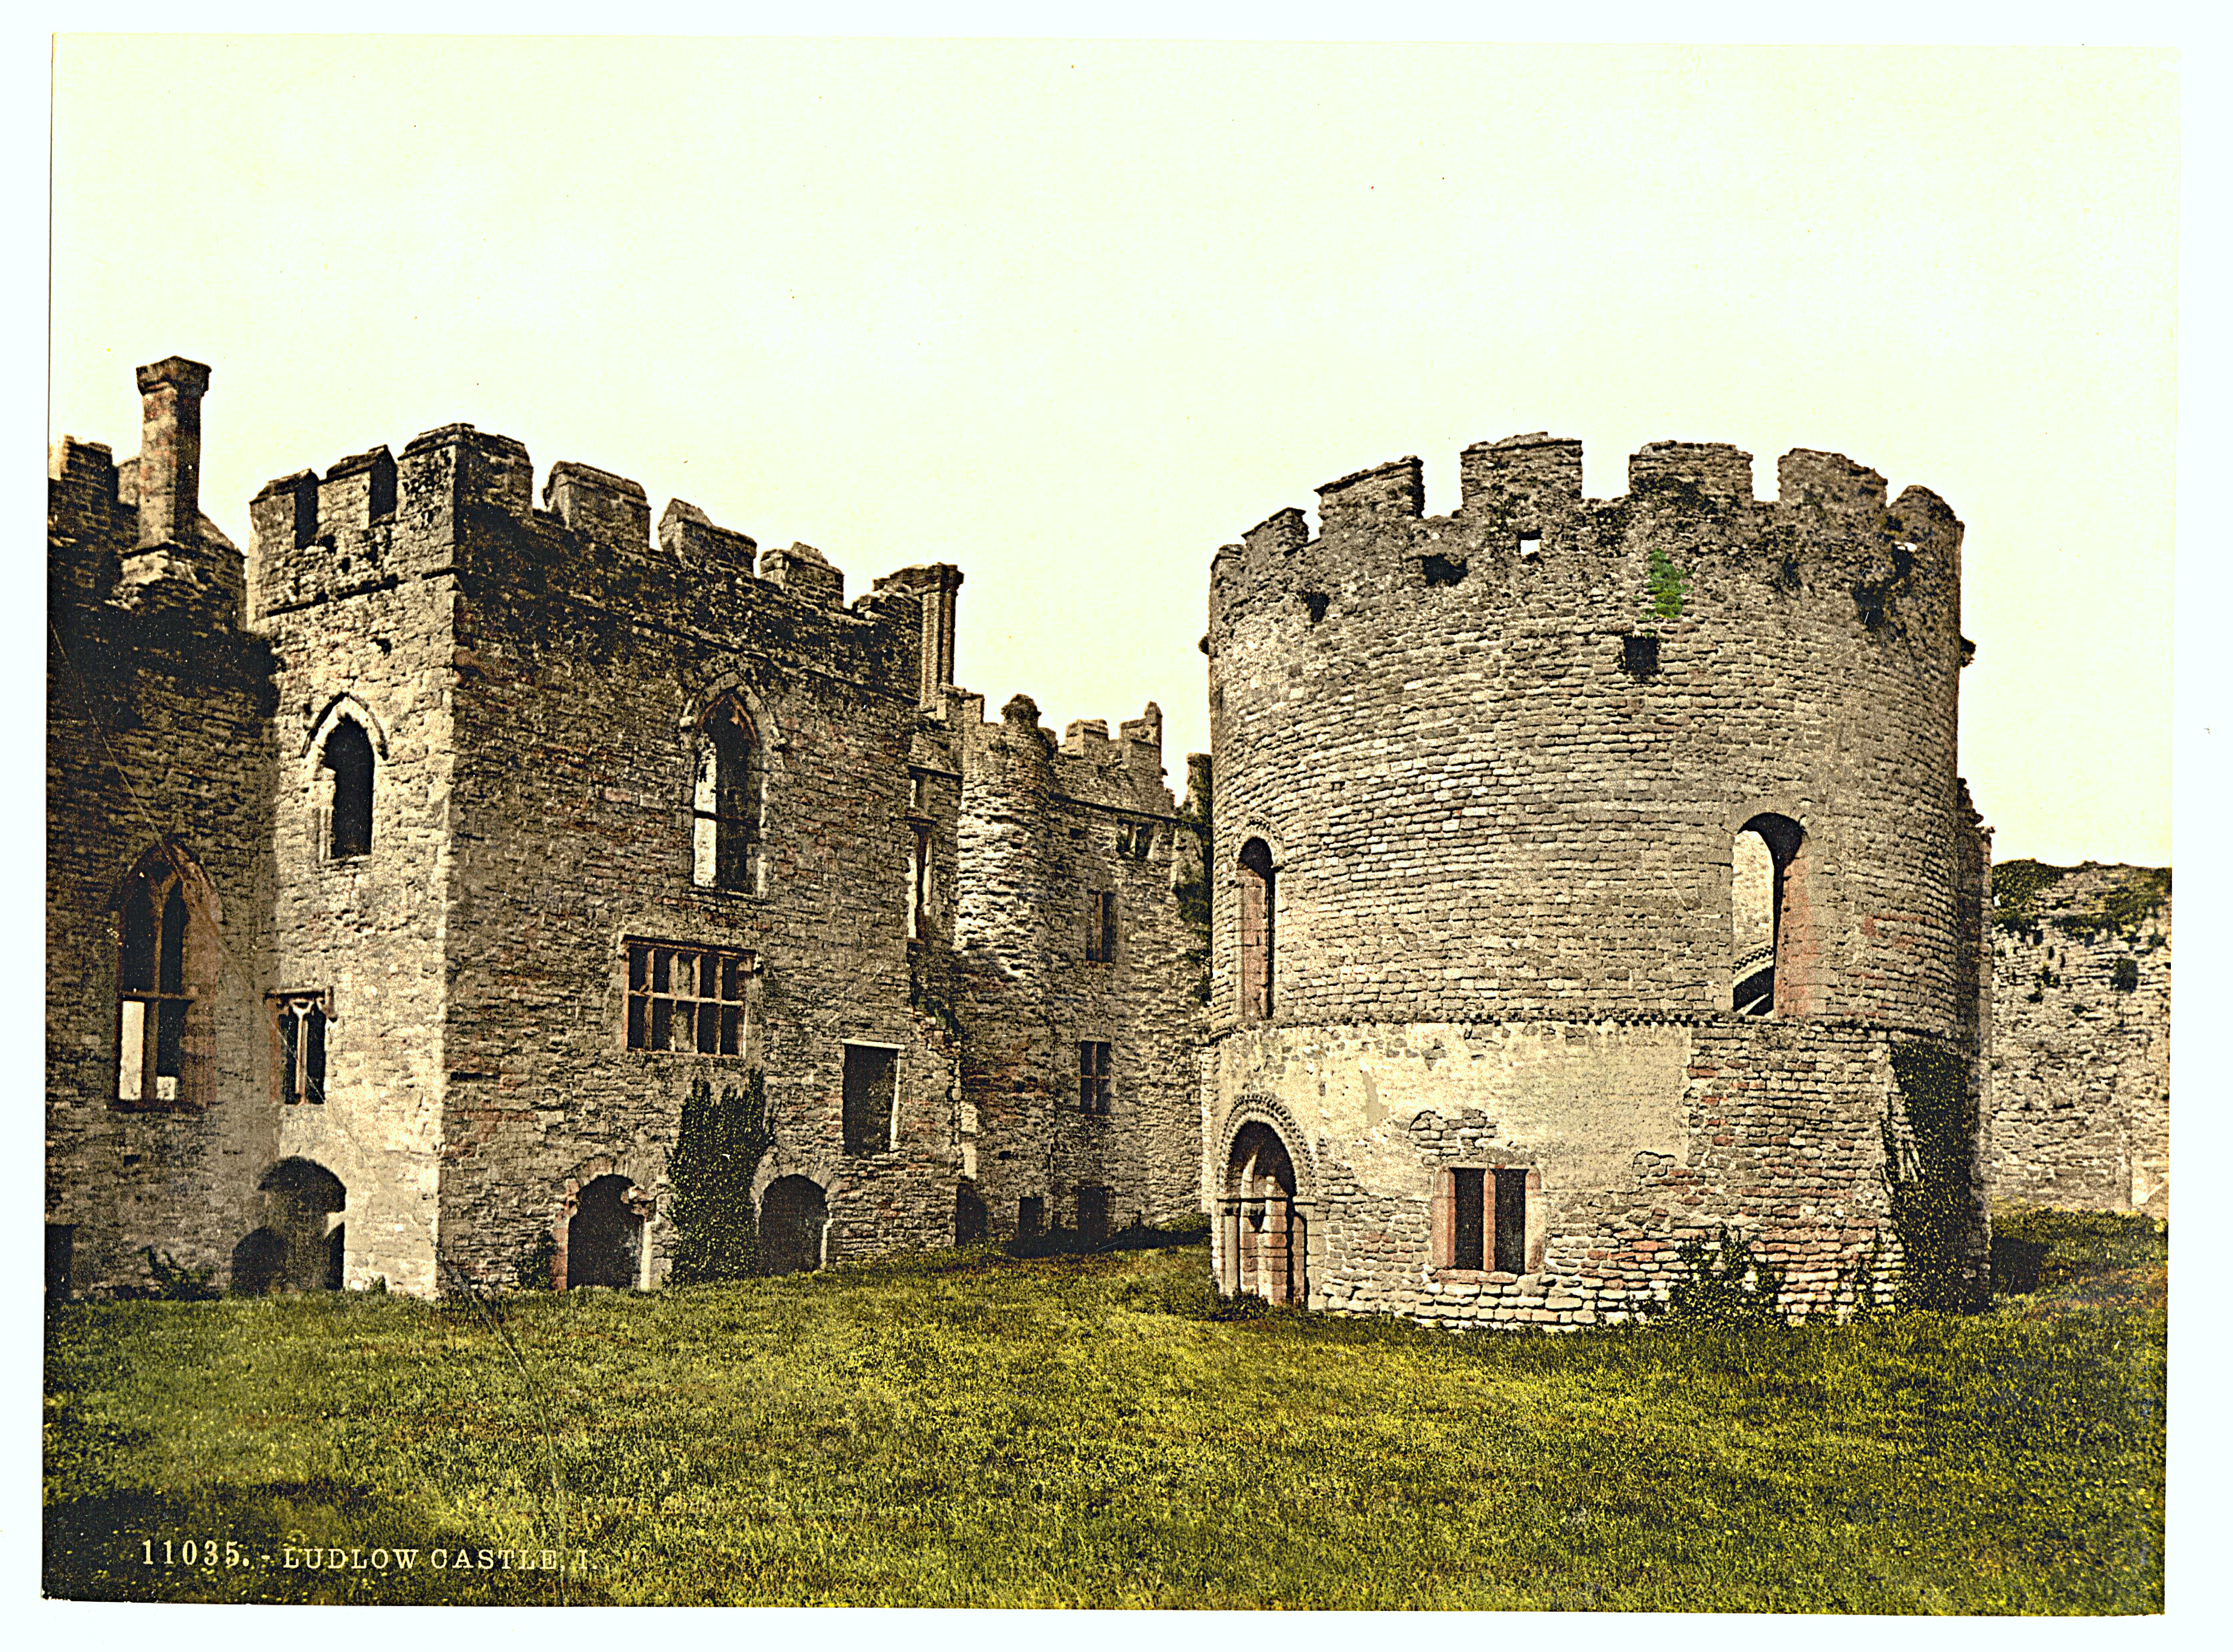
column 604, row 1236
column 304, row 1247
column 793, row 1215
column 1266, row 1240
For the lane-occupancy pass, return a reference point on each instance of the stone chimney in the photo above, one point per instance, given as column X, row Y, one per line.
column 938, row 589
column 170, row 451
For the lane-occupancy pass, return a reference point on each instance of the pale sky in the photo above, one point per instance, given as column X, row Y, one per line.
column 1072, row 316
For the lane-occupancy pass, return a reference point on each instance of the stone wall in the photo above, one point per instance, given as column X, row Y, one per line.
column 158, row 753
column 2081, row 1048
column 1502, row 762
column 1044, row 830
column 554, row 665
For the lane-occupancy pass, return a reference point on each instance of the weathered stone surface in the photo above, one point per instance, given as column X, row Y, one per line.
column 1502, row 858
column 2082, row 1041
column 533, row 685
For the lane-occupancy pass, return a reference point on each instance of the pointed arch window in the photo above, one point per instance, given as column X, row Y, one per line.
column 348, row 757
column 166, row 954
column 727, row 804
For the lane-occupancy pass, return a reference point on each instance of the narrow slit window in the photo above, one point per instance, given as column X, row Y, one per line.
column 1257, row 917
column 1511, row 1242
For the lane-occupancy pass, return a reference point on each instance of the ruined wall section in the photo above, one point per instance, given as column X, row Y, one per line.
column 587, row 652
column 2081, row 1056
column 1479, row 810
column 1044, row 828
column 157, row 703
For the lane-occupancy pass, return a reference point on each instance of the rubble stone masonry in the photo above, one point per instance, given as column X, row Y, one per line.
column 1496, row 764
column 2081, row 1048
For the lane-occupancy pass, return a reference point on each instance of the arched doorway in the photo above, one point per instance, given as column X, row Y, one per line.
column 306, row 1248
column 259, row 1262
column 604, row 1237
column 793, row 1215
column 1265, row 1237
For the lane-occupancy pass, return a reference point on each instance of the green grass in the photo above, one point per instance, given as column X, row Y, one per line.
column 976, row 1430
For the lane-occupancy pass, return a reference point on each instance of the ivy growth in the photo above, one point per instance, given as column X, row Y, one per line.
column 1723, row 1284
column 1665, row 586
column 710, row 1171
column 1929, row 1176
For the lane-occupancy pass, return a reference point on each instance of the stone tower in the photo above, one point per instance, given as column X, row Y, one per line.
column 1593, row 876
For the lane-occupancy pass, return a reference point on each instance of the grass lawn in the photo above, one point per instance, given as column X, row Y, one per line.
column 972, row 1430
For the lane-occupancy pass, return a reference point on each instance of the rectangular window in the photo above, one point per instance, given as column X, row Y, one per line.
column 1094, row 1085
column 871, row 1096
column 1031, row 1216
column 1101, row 926
column 687, row 999
column 1466, row 1225
column 1511, row 1255
column 300, row 1020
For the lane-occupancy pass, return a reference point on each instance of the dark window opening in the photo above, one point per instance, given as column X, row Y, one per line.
column 1467, row 1224
column 604, row 1236
column 1093, row 1215
column 1258, row 913
column 1438, row 569
column 871, row 1093
column 687, row 999
column 1031, row 1216
column 1315, row 603
column 1511, row 1252
column 1101, row 926
column 1639, row 656
column 726, row 805
column 970, row 1218
column 348, row 756
column 1094, row 1085
column 300, row 1019
column 1869, row 602
column 2125, row 975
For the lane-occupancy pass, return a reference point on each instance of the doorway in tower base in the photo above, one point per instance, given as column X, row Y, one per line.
column 604, row 1236
column 1264, row 1231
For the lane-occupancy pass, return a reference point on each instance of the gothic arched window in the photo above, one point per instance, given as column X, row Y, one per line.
column 726, row 803
column 348, row 756
column 166, row 974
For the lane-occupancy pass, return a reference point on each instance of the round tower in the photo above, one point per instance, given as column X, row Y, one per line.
column 1581, row 865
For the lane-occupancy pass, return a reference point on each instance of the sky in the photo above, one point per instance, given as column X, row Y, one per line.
column 1071, row 315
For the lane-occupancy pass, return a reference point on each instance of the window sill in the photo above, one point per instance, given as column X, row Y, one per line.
column 1474, row 1275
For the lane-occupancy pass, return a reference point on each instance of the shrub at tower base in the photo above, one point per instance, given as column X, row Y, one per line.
column 1929, row 1174
column 709, row 1173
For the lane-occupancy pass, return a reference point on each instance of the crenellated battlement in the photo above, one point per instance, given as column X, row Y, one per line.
column 1687, row 539
column 458, row 503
